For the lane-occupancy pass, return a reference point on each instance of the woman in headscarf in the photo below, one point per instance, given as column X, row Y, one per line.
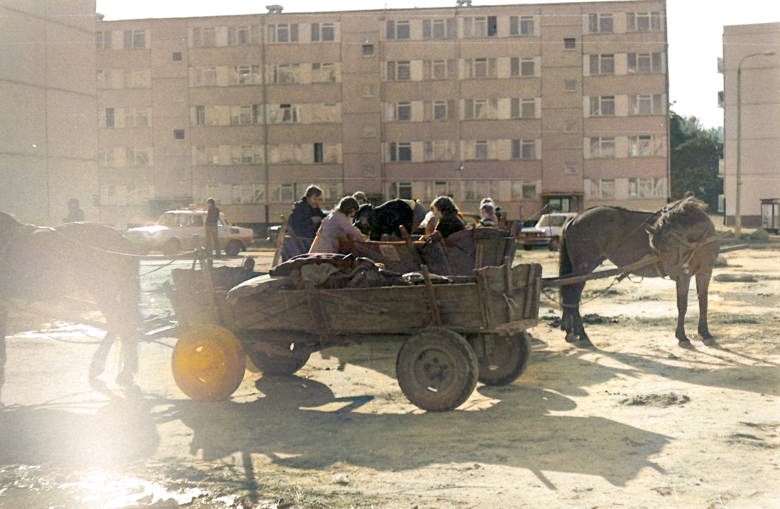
column 447, row 216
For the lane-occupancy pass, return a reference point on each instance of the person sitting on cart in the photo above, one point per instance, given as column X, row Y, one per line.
column 448, row 219
column 337, row 227
column 487, row 212
column 304, row 220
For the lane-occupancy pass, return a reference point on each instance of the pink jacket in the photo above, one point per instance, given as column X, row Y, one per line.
column 334, row 227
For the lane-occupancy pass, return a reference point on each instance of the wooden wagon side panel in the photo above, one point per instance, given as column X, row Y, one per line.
column 382, row 310
column 278, row 309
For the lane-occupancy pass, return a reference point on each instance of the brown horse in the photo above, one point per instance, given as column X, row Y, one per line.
column 679, row 240
column 46, row 263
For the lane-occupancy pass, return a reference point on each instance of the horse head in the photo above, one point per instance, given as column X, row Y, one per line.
column 683, row 233
column 363, row 218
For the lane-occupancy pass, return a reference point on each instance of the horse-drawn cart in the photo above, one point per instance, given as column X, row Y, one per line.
column 454, row 331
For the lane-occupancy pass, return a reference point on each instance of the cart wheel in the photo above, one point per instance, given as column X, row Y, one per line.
column 437, row 369
column 278, row 359
column 208, row 363
column 502, row 359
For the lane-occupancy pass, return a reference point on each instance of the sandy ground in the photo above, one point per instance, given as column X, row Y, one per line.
column 637, row 422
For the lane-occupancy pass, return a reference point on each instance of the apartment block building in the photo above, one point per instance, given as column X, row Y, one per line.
column 751, row 151
column 557, row 105
column 48, row 133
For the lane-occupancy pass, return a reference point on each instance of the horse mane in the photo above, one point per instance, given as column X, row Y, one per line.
column 681, row 213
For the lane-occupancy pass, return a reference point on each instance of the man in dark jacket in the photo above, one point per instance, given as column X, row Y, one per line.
column 304, row 221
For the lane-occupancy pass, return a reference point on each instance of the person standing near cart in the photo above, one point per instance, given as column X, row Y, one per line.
column 304, row 222
column 212, row 228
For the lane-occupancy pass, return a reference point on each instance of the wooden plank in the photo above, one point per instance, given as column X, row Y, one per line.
column 581, row 278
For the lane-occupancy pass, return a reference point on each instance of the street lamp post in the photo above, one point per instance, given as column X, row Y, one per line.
column 738, row 189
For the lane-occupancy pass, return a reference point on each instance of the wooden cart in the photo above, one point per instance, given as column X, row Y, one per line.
column 454, row 333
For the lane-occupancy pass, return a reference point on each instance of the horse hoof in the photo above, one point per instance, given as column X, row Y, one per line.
column 710, row 341
column 585, row 343
column 571, row 337
column 685, row 343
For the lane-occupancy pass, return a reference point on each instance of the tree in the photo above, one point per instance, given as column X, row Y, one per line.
column 695, row 154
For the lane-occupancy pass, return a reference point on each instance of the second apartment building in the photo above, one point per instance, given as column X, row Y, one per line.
column 558, row 105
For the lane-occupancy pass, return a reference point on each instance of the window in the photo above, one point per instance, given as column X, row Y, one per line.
column 286, row 73
column 403, row 111
column 323, row 72
column 368, row 50
column 135, row 39
column 481, row 149
column 492, row 26
column 521, row 25
column 477, row 108
column 569, row 43
column 323, row 32
column 600, row 23
column 203, row 37
column 318, row 154
column 643, row 21
column 438, row 150
column 440, row 110
column 482, row 68
column 176, row 56
column 645, row 63
column 110, row 122
column 289, row 113
column 103, row 40
column 438, row 29
column 246, row 74
column 640, row 146
column 245, row 114
column 602, row 64
column 524, row 149
column 602, row 106
column 646, row 104
column 287, row 193
column 400, row 151
column 480, row 26
column 178, row 134
column 398, row 30
column 602, row 147
column 239, row 36
column 519, row 66
column 523, row 108
column 646, row 187
column 400, row 70
column 402, row 190
column 606, row 188
column 285, row 32
column 439, row 69
column 522, row 190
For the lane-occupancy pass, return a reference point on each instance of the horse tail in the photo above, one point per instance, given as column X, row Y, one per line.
column 564, row 262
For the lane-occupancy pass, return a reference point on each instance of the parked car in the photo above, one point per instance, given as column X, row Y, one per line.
column 546, row 231
column 179, row 230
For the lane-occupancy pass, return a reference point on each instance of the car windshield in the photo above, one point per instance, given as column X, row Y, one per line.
column 167, row 219
column 549, row 220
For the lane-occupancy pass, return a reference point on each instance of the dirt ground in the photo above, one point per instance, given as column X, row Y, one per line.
column 637, row 422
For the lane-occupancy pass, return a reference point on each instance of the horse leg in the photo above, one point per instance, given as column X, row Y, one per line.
column 683, row 285
column 571, row 320
column 2, row 352
column 702, row 289
column 98, row 363
column 129, row 319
